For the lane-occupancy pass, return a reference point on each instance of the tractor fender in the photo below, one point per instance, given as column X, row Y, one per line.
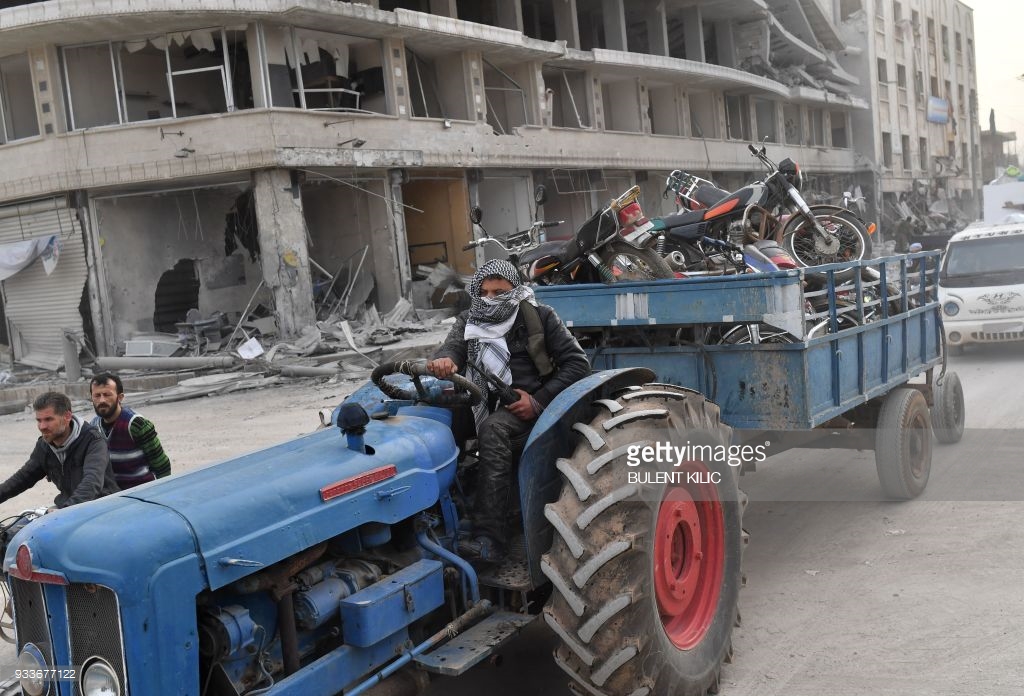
column 552, row 438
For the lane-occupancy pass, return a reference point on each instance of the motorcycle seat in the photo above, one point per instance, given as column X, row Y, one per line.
column 708, row 195
column 686, row 217
column 562, row 249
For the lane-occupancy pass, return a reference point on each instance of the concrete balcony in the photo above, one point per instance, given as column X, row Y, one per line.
column 216, row 147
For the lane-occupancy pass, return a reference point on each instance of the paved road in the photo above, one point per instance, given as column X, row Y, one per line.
column 851, row 595
column 846, row 594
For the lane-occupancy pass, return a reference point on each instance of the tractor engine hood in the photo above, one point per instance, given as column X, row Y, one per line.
column 250, row 512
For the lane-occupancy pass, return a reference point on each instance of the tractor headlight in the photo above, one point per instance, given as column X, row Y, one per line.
column 31, row 671
column 99, row 679
column 951, row 309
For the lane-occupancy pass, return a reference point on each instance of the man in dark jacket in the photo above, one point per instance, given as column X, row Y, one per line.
column 70, row 453
column 495, row 333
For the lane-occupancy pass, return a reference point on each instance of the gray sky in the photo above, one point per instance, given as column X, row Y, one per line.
column 998, row 40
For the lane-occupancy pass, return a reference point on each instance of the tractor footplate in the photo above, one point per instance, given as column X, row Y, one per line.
column 468, row 649
column 511, row 574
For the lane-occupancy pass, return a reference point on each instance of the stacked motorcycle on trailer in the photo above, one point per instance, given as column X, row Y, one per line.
column 614, row 244
column 764, row 218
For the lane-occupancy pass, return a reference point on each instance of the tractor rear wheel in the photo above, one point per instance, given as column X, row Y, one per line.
column 646, row 573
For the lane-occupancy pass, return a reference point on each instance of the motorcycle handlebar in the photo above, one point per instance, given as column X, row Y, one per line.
column 471, row 245
column 554, row 223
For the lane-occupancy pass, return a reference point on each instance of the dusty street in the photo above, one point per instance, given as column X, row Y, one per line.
column 845, row 594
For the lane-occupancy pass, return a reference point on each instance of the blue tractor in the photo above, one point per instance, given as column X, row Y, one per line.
column 325, row 565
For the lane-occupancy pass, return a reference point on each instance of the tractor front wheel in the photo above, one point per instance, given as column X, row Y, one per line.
column 646, row 557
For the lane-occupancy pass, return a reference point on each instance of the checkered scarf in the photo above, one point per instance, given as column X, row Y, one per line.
column 490, row 319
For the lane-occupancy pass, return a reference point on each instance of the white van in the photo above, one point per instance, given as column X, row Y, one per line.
column 981, row 285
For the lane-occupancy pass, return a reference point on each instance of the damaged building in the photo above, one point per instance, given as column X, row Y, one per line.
column 287, row 157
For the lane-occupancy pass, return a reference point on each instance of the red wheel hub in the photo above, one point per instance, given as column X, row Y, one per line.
column 689, row 557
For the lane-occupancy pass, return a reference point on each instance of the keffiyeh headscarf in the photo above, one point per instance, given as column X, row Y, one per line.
column 490, row 319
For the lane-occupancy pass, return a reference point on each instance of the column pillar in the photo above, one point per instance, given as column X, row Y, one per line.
column 510, row 14
column 399, row 237
column 657, row 27
column 444, row 8
column 567, row 25
column 283, row 251
column 613, row 13
column 693, row 32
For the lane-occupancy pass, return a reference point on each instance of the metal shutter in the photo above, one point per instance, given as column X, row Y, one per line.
column 39, row 306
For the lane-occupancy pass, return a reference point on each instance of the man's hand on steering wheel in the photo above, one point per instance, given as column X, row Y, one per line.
column 442, row 368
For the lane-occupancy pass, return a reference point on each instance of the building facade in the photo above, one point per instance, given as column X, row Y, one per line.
column 916, row 64
column 215, row 153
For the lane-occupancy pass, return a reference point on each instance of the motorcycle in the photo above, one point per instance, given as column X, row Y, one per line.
column 615, row 244
column 769, row 209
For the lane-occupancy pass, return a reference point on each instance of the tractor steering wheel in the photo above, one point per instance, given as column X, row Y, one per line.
column 466, row 393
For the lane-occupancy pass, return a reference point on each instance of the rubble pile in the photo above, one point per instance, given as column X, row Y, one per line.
column 246, row 351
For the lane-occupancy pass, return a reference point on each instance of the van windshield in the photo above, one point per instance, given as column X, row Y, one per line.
column 985, row 256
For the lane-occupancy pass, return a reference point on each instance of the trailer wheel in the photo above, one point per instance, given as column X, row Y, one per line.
column 948, row 409
column 903, row 444
column 646, row 576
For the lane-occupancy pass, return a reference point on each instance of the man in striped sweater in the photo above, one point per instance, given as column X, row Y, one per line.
column 135, row 450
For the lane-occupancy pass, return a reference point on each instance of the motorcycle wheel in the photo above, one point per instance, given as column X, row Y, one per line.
column 629, row 263
column 754, row 334
column 799, row 240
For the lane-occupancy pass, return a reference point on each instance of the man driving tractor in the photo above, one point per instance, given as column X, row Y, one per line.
column 526, row 346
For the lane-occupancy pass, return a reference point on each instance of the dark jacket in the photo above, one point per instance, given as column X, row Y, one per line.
column 570, row 361
column 85, row 475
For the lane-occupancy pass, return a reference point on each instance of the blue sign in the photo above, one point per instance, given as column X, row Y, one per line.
column 938, row 110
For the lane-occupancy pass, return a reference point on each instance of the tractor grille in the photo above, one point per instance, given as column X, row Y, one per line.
column 30, row 617
column 1000, row 336
column 95, row 626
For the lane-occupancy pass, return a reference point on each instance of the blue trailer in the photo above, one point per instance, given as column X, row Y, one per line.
column 326, row 564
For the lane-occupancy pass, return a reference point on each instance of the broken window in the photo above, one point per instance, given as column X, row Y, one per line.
column 905, row 143
column 887, row 150
column 414, row 5
column 840, row 136
column 737, row 117
column 676, row 37
column 665, row 112
column 961, row 104
column 897, row 12
column 539, row 20
column 919, row 83
column 849, row 7
column 901, row 76
column 506, row 100
column 177, row 292
column 17, row 101
column 621, row 106
column 567, row 98
column 322, row 71
column 883, row 71
column 202, row 71
column 922, row 144
column 767, row 127
column 793, row 123
column 423, row 90
column 816, row 118
column 703, row 115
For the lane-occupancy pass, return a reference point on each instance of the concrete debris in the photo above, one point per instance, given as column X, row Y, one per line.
column 6, row 377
